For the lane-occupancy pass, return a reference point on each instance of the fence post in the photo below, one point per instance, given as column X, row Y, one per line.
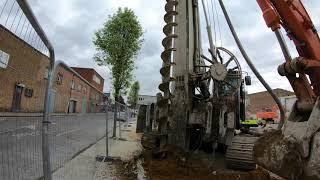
column 119, row 121
column 115, row 120
column 127, row 116
column 46, row 116
column 148, row 118
column 107, row 131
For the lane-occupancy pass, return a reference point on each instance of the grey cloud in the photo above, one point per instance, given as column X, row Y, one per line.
column 152, row 45
column 73, row 39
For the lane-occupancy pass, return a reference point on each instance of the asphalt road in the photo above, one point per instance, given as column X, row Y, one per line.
column 20, row 142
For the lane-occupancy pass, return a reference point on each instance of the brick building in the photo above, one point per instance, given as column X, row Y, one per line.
column 73, row 93
column 23, row 77
column 261, row 101
column 91, row 76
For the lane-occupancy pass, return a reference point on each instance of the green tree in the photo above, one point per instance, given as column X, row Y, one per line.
column 133, row 94
column 118, row 43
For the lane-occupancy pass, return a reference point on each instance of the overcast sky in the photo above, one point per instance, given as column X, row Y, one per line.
column 70, row 25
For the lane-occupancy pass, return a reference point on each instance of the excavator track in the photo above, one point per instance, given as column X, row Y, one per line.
column 240, row 153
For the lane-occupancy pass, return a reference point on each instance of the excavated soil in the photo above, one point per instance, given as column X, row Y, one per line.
column 270, row 147
column 170, row 169
column 265, row 141
column 121, row 170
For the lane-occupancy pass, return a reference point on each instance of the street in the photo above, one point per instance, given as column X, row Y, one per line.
column 20, row 142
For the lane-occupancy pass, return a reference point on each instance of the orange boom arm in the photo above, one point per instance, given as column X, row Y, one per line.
column 292, row 16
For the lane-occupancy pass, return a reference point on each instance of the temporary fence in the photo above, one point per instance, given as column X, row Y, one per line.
column 71, row 135
column 122, row 115
column 36, row 138
column 41, row 129
column 24, row 143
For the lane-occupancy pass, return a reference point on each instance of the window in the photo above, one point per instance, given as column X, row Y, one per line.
column 73, row 85
column 96, row 79
column 79, row 87
column 46, row 73
column 59, row 79
column 28, row 92
column 4, row 59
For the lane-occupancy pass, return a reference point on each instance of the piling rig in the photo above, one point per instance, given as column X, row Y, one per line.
column 191, row 112
column 202, row 99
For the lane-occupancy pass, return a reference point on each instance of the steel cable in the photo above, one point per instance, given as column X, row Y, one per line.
column 218, row 23
column 252, row 66
column 214, row 25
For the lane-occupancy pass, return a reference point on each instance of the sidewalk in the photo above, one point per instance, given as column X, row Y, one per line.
column 85, row 167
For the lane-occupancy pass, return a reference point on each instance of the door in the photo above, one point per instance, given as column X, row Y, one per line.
column 16, row 102
column 84, row 105
column 72, row 107
column 52, row 100
column 92, row 107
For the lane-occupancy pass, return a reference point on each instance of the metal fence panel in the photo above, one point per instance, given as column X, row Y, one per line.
column 73, row 133
column 33, row 142
column 20, row 148
column 24, row 48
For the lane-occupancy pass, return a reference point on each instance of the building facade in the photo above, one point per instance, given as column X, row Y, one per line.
column 146, row 100
column 91, row 76
column 261, row 101
column 72, row 93
column 23, row 79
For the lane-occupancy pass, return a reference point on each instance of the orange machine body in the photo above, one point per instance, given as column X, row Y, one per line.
column 268, row 114
column 292, row 16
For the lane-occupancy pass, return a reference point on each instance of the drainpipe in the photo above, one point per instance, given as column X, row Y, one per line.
column 70, row 92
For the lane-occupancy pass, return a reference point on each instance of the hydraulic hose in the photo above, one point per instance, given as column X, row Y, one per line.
column 251, row 65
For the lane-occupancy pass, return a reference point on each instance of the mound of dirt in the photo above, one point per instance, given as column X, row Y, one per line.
column 169, row 168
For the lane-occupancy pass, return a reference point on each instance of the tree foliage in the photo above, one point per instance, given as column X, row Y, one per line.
column 133, row 94
column 117, row 43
